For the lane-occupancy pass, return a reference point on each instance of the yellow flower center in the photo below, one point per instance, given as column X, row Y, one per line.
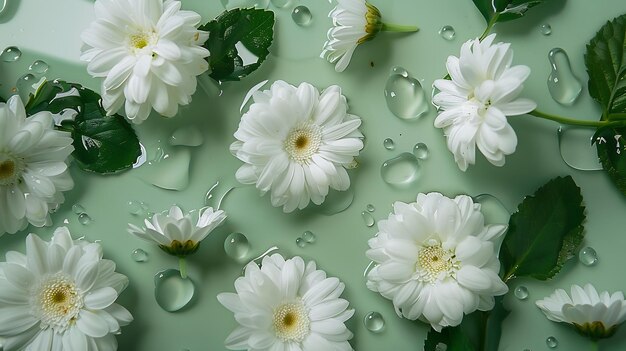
column 291, row 322
column 434, row 262
column 303, row 142
column 139, row 41
column 57, row 302
column 10, row 170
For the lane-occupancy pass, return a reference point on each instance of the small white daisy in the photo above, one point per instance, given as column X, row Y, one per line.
column 593, row 314
column 60, row 296
column 287, row 305
column 297, row 144
column 436, row 260
column 33, row 168
column 148, row 52
column 474, row 105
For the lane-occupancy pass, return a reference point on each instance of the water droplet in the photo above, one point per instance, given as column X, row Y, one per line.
column 521, row 292
column 171, row 173
column 25, row 87
column 552, row 342
column 447, row 32
column 576, row 148
column 171, row 291
column 281, row 3
column 302, row 15
column 337, row 202
column 389, row 144
column 401, row 171
column 563, row 85
column 374, row 322
column 231, row 4
column 545, row 29
column 400, row 70
column 39, row 67
column 441, row 347
column 135, row 208
column 309, row 237
column 139, row 255
column 187, row 136
column 492, row 208
column 588, row 256
column 405, row 96
column 420, row 150
column 368, row 219
column 78, row 209
column 301, row 243
column 237, row 246
column 84, row 219
column 10, row 54
column 370, row 208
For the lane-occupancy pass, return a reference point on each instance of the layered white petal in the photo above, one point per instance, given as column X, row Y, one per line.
column 349, row 20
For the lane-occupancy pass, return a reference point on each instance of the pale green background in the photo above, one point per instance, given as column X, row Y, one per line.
column 50, row 30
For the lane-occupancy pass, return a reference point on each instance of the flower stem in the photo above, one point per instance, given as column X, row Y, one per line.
column 390, row 27
column 595, row 346
column 569, row 121
column 490, row 25
column 182, row 266
column 617, row 116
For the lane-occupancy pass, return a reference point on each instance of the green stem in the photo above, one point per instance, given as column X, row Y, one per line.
column 182, row 266
column 490, row 25
column 390, row 27
column 595, row 346
column 569, row 121
column 617, row 116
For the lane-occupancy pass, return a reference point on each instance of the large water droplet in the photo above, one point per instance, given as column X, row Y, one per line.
column 11, row 54
column 139, row 255
column 545, row 29
column 38, row 67
column 389, row 144
column 337, row 201
column 521, row 292
column 405, row 96
column 187, row 136
column 171, row 291
column 588, row 256
column 309, row 237
column 552, row 342
column 401, row 171
column 576, row 148
column 231, row 4
column 368, row 219
column 420, row 150
column 281, row 3
column 447, row 32
column 492, row 208
column 374, row 322
column 84, row 219
column 370, row 208
column 302, row 15
column 171, row 173
column 563, row 85
column 301, row 243
column 237, row 246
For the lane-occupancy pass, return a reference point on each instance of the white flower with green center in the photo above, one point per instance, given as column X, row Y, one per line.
column 354, row 22
column 148, row 52
column 297, row 144
column 287, row 305
column 595, row 315
column 60, row 296
column 33, row 168
column 436, row 260
column 474, row 105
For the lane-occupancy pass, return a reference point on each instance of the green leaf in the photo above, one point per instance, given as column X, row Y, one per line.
column 102, row 144
column 612, row 155
column 504, row 10
column 251, row 28
column 545, row 231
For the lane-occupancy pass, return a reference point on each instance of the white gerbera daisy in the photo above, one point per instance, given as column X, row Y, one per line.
column 285, row 305
column 354, row 22
column 148, row 51
column 297, row 143
column 33, row 168
column 474, row 105
column 60, row 296
column 436, row 260
column 594, row 315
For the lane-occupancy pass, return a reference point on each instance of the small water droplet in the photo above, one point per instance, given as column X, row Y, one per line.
column 139, row 255
column 78, row 209
column 25, row 87
column 368, row 219
column 389, row 144
column 309, row 237
column 374, row 322
column 187, row 136
column 84, row 219
column 576, row 148
column 337, row 201
column 38, row 67
column 563, row 85
column 588, row 256
column 545, row 29
column 552, row 342
column 370, row 208
column 420, row 150
column 302, row 15
column 400, row 70
column 405, row 96
column 135, row 208
column 401, row 171
column 441, row 347
column 300, row 242
column 447, row 32
column 237, row 246
column 281, row 3
column 11, row 54
column 171, row 291
column 521, row 292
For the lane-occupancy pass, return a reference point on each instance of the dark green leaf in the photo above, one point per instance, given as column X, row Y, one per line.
column 252, row 28
column 102, row 144
column 612, row 155
column 504, row 10
column 545, row 231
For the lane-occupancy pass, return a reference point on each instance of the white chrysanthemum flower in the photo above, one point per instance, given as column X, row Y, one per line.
column 297, row 144
column 354, row 22
column 33, row 168
column 285, row 305
column 179, row 234
column 436, row 260
column 475, row 104
column 148, row 51
column 594, row 315
column 60, row 296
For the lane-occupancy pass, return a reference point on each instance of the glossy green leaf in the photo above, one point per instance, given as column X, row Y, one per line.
column 504, row 10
